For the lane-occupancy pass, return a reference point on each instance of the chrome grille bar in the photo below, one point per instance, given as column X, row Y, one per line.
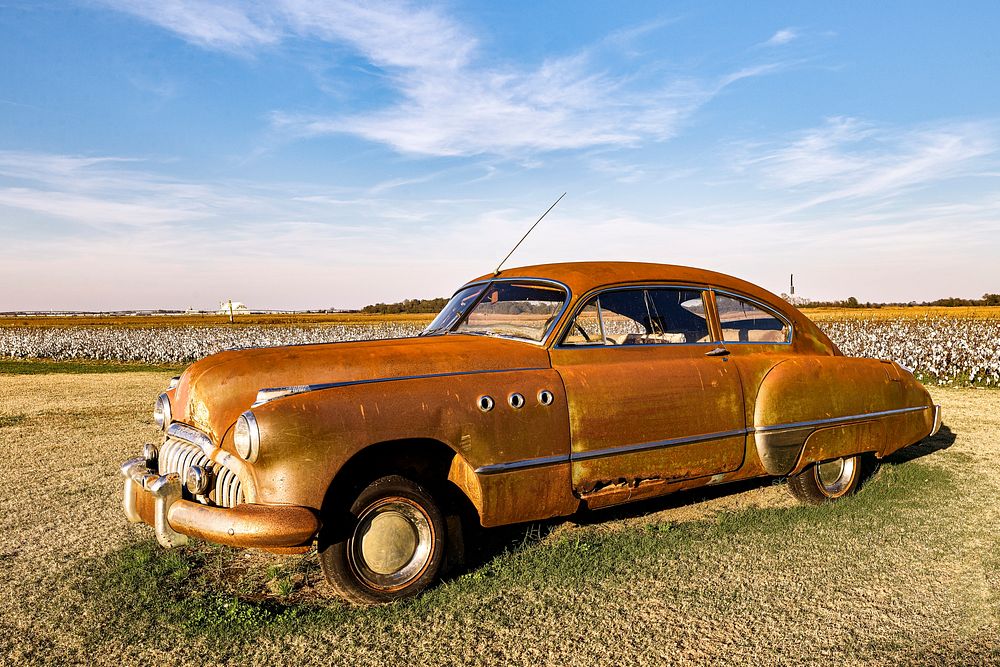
column 177, row 455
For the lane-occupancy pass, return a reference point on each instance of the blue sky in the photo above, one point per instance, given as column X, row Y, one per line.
column 309, row 153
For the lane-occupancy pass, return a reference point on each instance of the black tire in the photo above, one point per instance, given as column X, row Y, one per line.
column 828, row 480
column 392, row 548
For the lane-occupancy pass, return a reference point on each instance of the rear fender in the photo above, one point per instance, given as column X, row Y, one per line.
column 816, row 408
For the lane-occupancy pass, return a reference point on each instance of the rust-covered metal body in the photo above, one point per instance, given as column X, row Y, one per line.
column 565, row 425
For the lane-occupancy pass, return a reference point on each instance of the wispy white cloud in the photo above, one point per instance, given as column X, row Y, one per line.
column 847, row 159
column 564, row 104
column 450, row 100
column 782, row 37
column 218, row 24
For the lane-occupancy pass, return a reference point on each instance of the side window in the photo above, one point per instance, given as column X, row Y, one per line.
column 622, row 316
column 641, row 317
column 679, row 315
column 743, row 322
column 586, row 329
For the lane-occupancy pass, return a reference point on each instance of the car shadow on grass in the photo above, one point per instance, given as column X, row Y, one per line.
column 942, row 440
column 487, row 544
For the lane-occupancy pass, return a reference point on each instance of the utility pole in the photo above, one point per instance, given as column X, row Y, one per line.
column 230, row 311
column 791, row 283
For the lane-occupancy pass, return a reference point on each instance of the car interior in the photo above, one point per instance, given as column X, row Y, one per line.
column 669, row 316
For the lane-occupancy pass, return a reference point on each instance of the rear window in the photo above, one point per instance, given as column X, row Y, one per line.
column 744, row 322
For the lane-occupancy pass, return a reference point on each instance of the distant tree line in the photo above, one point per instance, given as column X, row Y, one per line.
column 407, row 306
column 852, row 302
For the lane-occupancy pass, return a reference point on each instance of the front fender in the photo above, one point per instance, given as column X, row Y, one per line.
column 306, row 438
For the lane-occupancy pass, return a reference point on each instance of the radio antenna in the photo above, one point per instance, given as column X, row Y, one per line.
column 497, row 272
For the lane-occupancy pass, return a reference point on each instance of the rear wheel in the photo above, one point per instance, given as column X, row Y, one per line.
column 828, row 480
column 393, row 547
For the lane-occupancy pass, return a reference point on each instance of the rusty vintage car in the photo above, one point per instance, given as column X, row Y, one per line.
column 535, row 393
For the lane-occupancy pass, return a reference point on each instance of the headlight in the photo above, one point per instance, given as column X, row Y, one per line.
column 161, row 412
column 197, row 480
column 246, row 437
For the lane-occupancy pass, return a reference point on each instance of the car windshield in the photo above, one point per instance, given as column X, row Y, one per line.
column 454, row 309
column 511, row 309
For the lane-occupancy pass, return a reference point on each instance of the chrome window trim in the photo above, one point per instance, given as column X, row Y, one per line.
column 494, row 468
column 762, row 306
column 307, row 388
column 598, row 291
column 556, row 321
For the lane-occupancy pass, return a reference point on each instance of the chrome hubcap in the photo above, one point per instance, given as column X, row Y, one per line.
column 835, row 476
column 392, row 543
column 388, row 542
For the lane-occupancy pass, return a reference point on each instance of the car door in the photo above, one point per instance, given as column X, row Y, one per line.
column 647, row 399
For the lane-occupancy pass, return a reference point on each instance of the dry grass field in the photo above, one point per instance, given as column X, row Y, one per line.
column 905, row 573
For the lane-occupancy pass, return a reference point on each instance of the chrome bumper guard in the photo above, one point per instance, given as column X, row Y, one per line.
column 937, row 421
column 166, row 489
column 158, row 500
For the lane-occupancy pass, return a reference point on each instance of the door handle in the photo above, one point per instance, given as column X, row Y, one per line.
column 717, row 352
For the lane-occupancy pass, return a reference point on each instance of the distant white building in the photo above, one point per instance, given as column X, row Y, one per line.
column 238, row 308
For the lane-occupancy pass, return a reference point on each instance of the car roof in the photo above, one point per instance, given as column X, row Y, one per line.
column 581, row 277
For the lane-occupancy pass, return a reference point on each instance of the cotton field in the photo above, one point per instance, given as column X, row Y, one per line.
column 161, row 345
column 940, row 349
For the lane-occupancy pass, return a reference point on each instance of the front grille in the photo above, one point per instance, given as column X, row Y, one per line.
column 178, row 455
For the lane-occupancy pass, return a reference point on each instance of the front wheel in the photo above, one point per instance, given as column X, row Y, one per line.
column 826, row 481
column 393, row 548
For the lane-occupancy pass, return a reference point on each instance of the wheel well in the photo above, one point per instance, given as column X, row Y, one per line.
column 426, row 461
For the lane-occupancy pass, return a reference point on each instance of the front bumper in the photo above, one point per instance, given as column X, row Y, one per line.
column 158, row 501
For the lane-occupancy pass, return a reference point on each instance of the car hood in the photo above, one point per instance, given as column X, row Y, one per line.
column 214, row 391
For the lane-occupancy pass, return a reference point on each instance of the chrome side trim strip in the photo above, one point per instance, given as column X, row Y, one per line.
column 192, row 435
column 302, row 389
column 658, row 444
column 837, row 420
column 495, row 468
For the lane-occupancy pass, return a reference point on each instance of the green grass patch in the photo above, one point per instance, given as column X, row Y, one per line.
column 48, row 367
column 232, row 596
column 956, row 380
column 11, row 420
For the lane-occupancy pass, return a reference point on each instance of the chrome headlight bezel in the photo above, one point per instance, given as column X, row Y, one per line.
column 246, row 437
column 197, row 480
column 162, row 413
